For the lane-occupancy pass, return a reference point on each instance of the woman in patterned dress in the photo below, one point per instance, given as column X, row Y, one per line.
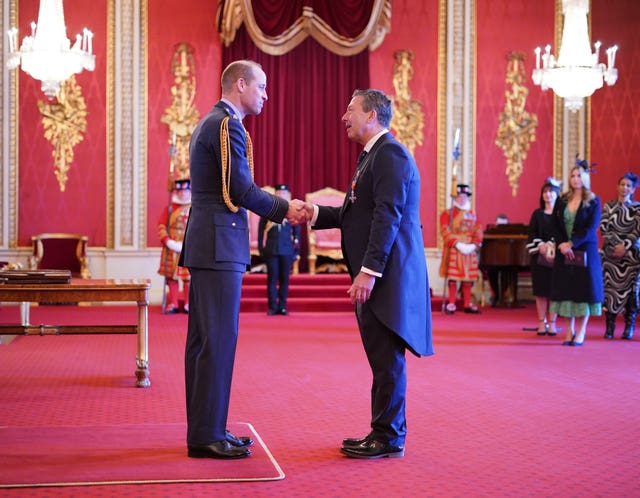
column 539, row 244
column 620, row 229
column 576, row 291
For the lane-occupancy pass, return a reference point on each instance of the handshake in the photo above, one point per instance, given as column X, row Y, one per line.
column 299, row 212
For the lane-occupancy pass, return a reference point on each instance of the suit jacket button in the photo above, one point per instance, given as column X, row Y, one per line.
column 233, row 224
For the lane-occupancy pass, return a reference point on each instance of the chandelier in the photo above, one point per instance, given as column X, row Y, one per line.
column 576, row 73
column 47, row 54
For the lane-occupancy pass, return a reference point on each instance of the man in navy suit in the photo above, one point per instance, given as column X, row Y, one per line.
column 216, row 251
column 383, row 248
column 279, row 250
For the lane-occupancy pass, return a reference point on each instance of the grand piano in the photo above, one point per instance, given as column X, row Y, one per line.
column 502, row 256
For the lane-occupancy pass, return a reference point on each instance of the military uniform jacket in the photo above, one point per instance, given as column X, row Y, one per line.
column 216, row 237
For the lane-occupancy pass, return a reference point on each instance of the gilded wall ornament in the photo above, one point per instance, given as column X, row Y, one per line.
column 64, row 121
column 181, row 116
column 516, row 127
column 408, row 118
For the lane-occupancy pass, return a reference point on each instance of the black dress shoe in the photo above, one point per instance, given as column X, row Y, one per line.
column 282, row 311
column 272, row 312
column 350, row 442
column 240, row 442
column 219, row 449
column 473, row 310
column 373, row 449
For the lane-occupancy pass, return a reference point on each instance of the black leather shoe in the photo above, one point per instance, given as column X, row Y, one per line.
column 219, row 449
column 282, row 311
column 350, row 442
column 240, row 442
column 373, row 449
column 272, row 312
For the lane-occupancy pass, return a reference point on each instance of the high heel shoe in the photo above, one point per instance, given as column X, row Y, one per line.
column 578, row 344
column 545, row 327
column 551, row 328
column 570, row 343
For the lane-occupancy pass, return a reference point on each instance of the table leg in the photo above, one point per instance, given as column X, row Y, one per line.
column 24, row 313
column 142, row 359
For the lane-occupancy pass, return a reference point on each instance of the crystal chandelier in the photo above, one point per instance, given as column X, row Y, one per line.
column 576, row 73
column 47, row 54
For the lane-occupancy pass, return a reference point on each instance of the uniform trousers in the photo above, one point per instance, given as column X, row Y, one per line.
column 212, row 335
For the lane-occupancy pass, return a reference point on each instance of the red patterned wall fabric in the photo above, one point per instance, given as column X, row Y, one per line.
column 615, row 127
column 518, row 26
column 193, row 22
column 81, row 208
column 414, row 26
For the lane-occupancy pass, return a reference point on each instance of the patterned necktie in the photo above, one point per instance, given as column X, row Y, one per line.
column 361, row 157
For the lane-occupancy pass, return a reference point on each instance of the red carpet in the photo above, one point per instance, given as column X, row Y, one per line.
column 121, row 454
column 497, row 412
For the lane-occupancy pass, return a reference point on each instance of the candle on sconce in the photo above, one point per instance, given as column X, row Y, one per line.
column 546, row 58
column 33, row 29
column 537, row 51
column 597, row 46
column 10, row 35
column 611, row 56
column 90, row 36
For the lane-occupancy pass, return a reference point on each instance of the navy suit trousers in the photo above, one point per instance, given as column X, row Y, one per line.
column 212, row 335
column 386, row 354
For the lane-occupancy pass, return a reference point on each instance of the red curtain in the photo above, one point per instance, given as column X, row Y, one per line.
column 299, row 138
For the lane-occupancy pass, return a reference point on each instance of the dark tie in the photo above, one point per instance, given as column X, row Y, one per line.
column 361, row 157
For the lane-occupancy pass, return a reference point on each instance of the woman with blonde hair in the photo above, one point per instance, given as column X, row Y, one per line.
column 576, row 284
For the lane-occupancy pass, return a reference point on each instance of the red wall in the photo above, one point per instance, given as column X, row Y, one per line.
column 414, row 26
column 502, row 26
column 518, row 26
column 615, row 127
column 81, row 208
column 192, row 22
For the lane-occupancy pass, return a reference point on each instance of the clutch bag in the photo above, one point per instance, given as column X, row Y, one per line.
column 580, row 259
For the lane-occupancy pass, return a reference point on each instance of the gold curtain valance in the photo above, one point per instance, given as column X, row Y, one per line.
column 235, row 12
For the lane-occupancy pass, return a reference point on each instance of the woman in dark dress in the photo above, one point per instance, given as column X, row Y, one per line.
column 620, row 229
column 576, row 290
column 540, row 246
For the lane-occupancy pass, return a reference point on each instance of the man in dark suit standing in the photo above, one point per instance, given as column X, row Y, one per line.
column 216, row 251
column 279, row 250
column 383, row 248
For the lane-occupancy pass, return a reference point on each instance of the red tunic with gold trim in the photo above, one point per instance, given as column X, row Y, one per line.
column 174, row 229
column 458, row 225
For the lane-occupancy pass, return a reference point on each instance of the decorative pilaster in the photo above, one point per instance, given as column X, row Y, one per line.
column 9, row 130
column 127, row 124
column 456, row 94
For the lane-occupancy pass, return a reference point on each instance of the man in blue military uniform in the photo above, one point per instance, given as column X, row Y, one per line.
column 279, row 251
column 216, row 252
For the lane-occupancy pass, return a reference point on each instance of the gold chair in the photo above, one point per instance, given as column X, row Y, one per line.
column 60, row 251
column 325, row 243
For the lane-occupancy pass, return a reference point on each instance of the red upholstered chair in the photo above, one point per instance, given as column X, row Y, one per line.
column 325, row 243
column 60, row 251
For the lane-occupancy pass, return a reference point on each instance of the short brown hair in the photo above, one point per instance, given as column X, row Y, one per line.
column 236, row 70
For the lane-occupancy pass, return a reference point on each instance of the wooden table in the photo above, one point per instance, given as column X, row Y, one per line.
column 81, row 290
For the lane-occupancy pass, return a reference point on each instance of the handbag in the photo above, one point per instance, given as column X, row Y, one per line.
column 580, row 259
column 547, row 261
